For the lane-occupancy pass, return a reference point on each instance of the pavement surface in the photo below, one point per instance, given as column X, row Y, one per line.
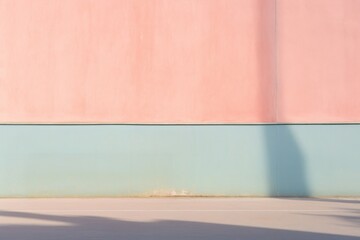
column 180, row 218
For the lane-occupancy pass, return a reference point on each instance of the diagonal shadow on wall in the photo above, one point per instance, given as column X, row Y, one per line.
column 286, row 164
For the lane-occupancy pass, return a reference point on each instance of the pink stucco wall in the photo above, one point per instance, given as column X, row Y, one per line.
column 179, row 61
column 318, row 60
column 136, row 60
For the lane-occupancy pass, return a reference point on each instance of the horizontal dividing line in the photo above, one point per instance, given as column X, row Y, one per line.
column 172, row 123
column 177, row 210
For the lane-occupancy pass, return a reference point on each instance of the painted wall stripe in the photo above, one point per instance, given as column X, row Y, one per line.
column 131, row 160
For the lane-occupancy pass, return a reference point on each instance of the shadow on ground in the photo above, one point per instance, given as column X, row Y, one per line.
column 351, row 219
column 88, row 227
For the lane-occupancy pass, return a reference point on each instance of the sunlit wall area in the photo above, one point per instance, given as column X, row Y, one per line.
column 133, row 160
column 169, row 97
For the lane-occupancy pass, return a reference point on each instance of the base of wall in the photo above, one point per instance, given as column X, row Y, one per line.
column 143, row 160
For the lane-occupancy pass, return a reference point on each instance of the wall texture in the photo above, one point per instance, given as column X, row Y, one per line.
column 136, row 61
column 318, row 60
column 170, row 61
column 128, row 160
column 179, row 61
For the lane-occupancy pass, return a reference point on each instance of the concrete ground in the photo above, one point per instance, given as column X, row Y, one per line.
column 179, row 218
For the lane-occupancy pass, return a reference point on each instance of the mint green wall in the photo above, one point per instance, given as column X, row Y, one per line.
column 127, row 160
